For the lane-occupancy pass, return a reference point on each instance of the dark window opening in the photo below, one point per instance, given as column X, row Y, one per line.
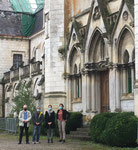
column 17, row 60
column 129, row 81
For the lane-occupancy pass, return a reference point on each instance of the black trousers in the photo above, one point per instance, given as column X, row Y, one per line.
column 26, row 133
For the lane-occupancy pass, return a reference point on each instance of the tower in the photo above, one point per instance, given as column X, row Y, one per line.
column 54, row 62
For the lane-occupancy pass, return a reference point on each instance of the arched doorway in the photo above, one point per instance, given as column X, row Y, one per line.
column 100, row 74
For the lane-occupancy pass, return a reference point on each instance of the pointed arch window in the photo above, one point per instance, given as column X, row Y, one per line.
column 77, row 82
column 128, row 72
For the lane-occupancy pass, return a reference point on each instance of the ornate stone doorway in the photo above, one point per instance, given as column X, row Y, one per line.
column 104, row 86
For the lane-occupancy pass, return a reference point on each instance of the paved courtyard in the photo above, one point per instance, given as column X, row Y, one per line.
column 10, row 142
column 12, row 145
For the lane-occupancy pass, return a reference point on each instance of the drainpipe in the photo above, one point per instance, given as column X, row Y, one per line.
column 29, row 50
column 3, row 100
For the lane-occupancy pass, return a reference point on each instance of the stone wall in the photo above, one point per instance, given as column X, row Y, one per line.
column 8, row 47
column 54, row 32
column 136, row 58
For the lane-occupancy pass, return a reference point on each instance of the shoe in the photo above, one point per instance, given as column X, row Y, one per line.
column 27, row 143
column 33, row 142
column 63, row 141
column 19, row 143
column 60, row 141
column 51, row 140
column 38, row 142
column 48, row 141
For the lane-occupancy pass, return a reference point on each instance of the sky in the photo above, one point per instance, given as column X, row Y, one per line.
column 33, row 4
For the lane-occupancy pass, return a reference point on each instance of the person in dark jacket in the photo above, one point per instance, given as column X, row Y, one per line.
column 37, row 120
column 50, row 122
column 62, row 117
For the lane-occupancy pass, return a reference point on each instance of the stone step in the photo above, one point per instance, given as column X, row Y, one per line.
column 86, row 126
column 83, row 129
column 79, row 133
column 81, row 137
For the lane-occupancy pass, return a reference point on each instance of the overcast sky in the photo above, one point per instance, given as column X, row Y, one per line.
column 33, row 4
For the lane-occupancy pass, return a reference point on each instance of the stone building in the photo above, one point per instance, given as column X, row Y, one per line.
column 136, row 60
column 100, row 62
column 80, row 53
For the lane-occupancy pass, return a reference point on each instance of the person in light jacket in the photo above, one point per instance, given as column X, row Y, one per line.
column 24, row 122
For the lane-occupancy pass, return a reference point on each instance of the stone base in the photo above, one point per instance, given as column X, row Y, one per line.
column 136, row 100
column 87, row 118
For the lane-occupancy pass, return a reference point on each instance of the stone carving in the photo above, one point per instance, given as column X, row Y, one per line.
column 82, row 31
column 131, row 23
column 96, row 14
column 74, row 37
column 126, row 57
column 125, row 15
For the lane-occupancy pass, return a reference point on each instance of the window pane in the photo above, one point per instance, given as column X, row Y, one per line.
column 17, row 60
column 129, row 81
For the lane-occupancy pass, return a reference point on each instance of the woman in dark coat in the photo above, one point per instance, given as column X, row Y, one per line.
column 50, row 122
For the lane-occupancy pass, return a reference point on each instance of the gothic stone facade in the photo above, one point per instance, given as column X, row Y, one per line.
column 136, row 60
column 84, row 57
column 100, row 63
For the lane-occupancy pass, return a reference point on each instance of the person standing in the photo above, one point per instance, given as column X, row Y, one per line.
column 62, row 117
column 37, row 120
column 24, row 122
column 50, row 122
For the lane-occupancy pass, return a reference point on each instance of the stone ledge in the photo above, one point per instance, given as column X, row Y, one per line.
column 55, row 94
column 127, row 96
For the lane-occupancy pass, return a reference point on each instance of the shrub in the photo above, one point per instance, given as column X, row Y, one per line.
column 121, row 130
column 115, row 129
column 98, row 124
column 74, row 122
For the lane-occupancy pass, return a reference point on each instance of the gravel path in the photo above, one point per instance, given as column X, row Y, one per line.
column 12, row 144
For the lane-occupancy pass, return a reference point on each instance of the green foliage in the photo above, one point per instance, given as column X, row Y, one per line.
column 121, row 130
column 115, row 129
column 74, row 122
column 98, row 124
column 24, row 97
column 43, row 128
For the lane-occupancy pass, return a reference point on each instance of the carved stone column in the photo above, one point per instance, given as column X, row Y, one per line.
column 88, row 102
column 84, row 92
column 132, row 77
column 124, row 80
column 117, row 88
column 93, row 97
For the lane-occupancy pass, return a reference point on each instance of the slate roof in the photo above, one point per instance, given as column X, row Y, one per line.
column 39, row 22
column 10, row 23
column 5, row 5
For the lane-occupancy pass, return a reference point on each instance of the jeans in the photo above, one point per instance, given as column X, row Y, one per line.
column 36, row 132
column 61, row 127
column 50, row 133
column 26, row 133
